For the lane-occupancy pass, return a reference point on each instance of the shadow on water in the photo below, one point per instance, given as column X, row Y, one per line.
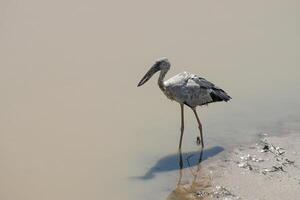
column 180, row 161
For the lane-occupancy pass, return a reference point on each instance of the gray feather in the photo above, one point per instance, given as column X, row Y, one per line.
column 193, row 90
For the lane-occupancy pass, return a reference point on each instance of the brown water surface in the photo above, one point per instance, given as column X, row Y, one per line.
column 73, row 124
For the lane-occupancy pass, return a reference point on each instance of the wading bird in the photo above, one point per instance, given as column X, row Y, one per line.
column 186, row 89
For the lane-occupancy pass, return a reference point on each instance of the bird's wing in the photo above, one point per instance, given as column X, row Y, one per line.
column 202, row 82
column 193, row 90
column 186, row 78
column 216, row 93
column 178, row 79
column 176, row 87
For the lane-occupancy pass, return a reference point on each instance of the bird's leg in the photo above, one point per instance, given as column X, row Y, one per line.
column 180, row 167
column 182, row 125
column 199, row 126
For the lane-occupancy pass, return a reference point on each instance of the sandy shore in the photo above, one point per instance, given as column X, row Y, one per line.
column 269, row 169
column 266, row 170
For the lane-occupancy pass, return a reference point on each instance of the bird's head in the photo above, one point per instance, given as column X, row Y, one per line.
column 160, row 64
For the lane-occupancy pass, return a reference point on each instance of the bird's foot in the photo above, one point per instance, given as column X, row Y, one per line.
column 198, row 141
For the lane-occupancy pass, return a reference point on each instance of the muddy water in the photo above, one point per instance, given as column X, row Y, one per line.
column 73, row 124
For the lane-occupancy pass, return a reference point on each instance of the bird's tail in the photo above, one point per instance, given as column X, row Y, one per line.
column 219, row 95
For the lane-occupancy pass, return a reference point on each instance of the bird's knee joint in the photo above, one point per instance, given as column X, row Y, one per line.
column 198, row 141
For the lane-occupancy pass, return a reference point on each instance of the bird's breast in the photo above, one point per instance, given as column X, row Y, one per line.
column 175, row 93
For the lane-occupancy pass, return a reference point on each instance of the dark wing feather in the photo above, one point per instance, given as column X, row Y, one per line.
column 216, row 93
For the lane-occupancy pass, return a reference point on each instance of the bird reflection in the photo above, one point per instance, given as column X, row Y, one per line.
column 170, row 162
column 198, row 186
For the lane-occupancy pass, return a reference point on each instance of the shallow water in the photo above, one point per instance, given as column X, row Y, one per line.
column 75, row 126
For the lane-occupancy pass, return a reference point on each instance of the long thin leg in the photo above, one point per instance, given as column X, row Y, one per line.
column 182, row 125
column 199, row 126
column 180, row 167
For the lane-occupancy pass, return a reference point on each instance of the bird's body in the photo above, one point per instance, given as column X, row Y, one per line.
column 192, row 90
column 186, row 89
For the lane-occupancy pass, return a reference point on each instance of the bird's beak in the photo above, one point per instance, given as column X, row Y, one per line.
column 155, row 68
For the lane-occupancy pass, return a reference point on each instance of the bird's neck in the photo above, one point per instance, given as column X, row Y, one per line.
column 161, row 79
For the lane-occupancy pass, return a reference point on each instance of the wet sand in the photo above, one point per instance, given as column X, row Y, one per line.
column 266, row 170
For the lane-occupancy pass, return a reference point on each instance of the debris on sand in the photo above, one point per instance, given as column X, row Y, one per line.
column 217, row 192
column 202, row 194
column 221, row 192
column 268, row 169
column 288, row 162
column 268, row 147
column 272, row 169
column 279, row 161
column 245, row 165
column 253, row 158
column 247, row 160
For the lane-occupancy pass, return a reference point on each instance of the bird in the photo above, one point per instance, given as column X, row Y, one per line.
column 187, row 89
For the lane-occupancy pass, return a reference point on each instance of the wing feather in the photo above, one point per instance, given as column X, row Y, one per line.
column 194, row 90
